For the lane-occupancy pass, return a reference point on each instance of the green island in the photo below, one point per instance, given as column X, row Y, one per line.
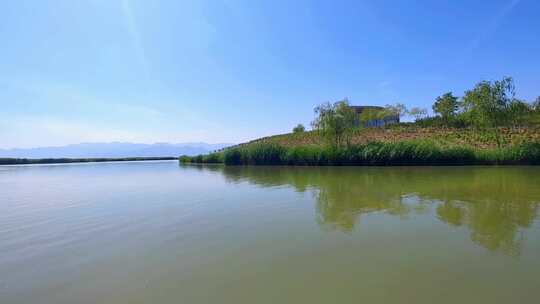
column 488, row 125
column 29, row 161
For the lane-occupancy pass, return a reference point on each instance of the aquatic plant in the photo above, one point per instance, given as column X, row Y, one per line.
column 419, row 152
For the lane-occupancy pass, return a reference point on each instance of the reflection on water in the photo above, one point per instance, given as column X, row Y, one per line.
column 154, row 232
column 497, row 206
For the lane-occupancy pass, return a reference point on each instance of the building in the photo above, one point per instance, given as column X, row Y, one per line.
column 386, row 120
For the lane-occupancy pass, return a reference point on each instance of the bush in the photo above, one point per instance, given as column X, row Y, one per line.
column 299, row 129
column 213, row 158
column 265, row 154
column 526, row 152
column 457, row 121
column 184, row 159
column 232, row 157
column 303, row 156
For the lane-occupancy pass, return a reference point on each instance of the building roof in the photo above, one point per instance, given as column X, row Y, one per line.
column 360, row 109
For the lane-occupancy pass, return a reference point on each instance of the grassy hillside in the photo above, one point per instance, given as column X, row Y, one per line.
column 442, row 137
column 488, row 125
column 404, row 144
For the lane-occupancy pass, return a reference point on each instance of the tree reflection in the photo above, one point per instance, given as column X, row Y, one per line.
column 495, row 204
column 341, row 201
column 494, row 224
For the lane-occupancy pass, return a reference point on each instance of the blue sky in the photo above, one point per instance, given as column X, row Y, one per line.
column 229, row 71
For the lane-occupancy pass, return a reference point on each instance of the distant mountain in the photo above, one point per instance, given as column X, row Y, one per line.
column 113, row 149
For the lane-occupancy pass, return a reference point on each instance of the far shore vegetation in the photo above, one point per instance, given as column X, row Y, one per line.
column 487, row 125
column 29, row 161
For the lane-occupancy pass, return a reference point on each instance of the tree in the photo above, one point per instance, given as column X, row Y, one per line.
column 299, row 129
column 418, row 113
column 487, row 104
column 534, row 117
column 519, row 113
column 446, row 106
column 398, row 109
column 371, row 114
column 335, row 122
column 536, row 104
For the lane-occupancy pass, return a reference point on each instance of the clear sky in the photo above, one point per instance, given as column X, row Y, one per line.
column 229, row 71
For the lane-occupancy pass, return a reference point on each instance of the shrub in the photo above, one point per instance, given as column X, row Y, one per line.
column 213, row 158
column 299, row 129
column 232, row 156
column 526, row 152
column 457, row 121
column 185, row 159
column 303, row 156
column 265, row 154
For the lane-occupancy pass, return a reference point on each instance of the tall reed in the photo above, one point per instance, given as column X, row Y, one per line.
column 376, row 153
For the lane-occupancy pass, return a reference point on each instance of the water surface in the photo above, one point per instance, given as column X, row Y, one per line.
column 157, row 232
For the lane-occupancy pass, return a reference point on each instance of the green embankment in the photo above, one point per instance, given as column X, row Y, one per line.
column 398, row 145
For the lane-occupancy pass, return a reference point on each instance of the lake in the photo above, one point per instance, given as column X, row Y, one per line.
column 158, row 232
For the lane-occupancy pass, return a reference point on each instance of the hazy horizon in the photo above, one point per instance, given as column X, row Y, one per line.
column 232, row 71
column 116, row 142
column 113, row 149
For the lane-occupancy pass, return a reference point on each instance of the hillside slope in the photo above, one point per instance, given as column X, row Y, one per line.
column 442, row 137
column 404, row 144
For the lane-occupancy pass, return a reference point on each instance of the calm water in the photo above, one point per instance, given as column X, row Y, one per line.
column 157, row 232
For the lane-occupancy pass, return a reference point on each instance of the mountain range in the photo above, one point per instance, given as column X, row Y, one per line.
column 113, row 149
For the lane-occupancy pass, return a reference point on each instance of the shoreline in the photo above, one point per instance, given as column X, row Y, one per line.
column 404, row 153
column 32, row 161
column 372, row 165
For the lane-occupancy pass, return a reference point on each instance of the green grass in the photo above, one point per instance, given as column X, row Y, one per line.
column 417, row 152
column 442, row 137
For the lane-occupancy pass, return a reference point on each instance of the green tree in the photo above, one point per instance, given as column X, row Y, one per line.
column 418, row 113
column 487, row 104
column 335, row 122
column 371, row 114
column 535, row 115
column 398, row 109
column 446, row 106
column 299, row 129
column 519, row 113
column 536, row 104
